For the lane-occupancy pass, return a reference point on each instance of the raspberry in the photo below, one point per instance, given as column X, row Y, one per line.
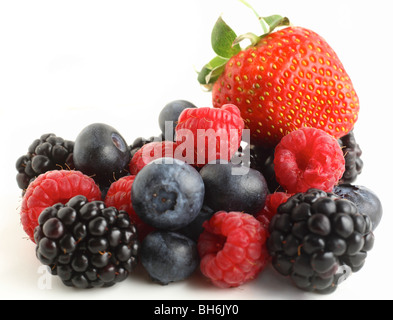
column 149, row 152
column 273, row 201
column 211, row 133
column 308, row 158
column 232, row 248
column 119, row 196
column 57, row 186
column 140, row 142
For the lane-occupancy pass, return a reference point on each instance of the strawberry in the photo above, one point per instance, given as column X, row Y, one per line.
column 286, row 79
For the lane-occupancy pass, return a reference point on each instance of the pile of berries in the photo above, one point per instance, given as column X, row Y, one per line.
column 202, row 195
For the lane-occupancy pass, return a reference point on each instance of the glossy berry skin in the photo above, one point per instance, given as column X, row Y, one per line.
column 318, row 239
column 168, row 256
column 365, row 199
column 56, row 186
column 352, row 154
column 273, row 201
column 195, row 228
column 47, row 153
column 290, row 79
column 308, row 158
column 170, row 114
column 101, row 152
column 86, row 243
column 230, row 187
column 232, row 249
column 167, row 194
column 119, row 196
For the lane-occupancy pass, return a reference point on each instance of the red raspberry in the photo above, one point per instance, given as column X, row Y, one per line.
column 232, row 248
column 119, row 196
column 53, row 187
column 308, row 158
column 272, row 202
column 210, row 133
column 149, row 152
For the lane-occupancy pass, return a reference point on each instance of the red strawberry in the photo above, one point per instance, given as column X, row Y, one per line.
column 285, row 80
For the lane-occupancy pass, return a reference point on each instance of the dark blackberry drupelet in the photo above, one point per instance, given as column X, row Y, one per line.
column 352, row 155
column 47, row 153
column 318, row 239
column 86, row 244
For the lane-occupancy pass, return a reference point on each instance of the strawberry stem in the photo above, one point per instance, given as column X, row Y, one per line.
column 269, row 23
column 254, row 39
column 263, row 23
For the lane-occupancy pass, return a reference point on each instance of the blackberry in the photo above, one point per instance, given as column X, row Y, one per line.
column 366, row 200
column 317, row 239
column 352, row 154
column 86, row 244
column 49, row 152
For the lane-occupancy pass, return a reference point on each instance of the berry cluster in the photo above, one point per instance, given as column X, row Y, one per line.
column 86, row 244
column 201, row 195
column 314, row 234
column 153, row 204
column 46, row 153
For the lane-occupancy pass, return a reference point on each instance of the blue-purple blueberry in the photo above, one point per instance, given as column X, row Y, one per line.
column 168, row 256
column 102, row 153
column 167, row 194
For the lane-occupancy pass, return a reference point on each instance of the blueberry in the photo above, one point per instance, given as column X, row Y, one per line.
column 101, row 152
column 230, row 187
column 366, row 201
column 170, row 113
column 167, row 194
column 168, row 256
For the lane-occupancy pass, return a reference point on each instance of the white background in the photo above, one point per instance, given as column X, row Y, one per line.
column 66, row 64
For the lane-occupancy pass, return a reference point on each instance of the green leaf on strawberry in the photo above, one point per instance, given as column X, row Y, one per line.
column 222, row 39
column 211, row 71
column 225, row 44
